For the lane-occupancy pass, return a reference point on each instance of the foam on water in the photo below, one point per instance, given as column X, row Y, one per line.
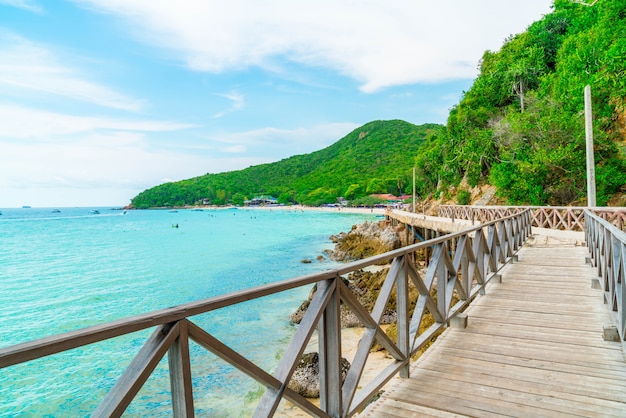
column 64, row 271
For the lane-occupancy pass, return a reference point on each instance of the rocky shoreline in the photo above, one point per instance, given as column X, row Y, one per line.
column 364, row 240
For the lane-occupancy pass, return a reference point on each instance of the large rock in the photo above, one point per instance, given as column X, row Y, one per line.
column 364, row 240
column 306, row 377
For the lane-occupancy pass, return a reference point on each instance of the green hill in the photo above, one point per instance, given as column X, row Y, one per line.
column 375, row 158
column 519, row 127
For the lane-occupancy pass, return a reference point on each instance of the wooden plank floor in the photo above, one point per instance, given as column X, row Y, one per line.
column 533, row 348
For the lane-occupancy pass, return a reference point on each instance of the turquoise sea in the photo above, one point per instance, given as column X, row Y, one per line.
column 69, row 269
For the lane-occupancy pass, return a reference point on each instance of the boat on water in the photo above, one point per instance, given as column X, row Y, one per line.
column 95, row 212
column 56, row 211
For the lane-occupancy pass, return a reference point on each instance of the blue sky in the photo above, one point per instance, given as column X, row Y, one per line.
column 101, row 99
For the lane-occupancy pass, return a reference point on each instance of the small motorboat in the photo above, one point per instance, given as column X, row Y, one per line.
column 95, row 212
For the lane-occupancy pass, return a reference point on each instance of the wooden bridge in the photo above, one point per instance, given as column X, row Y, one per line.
column 529, row 329
column 532, row 346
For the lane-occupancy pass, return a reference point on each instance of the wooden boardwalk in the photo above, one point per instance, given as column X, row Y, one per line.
column 533, row 348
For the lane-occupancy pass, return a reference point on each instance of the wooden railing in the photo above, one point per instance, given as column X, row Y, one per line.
column 566, row 218
column 607, row 246
column 460, row 263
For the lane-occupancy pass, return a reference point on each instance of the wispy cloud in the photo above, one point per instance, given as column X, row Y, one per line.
column 20, row 122
column 98, row 168
column 384, row 44
column 44, row 150
column 282, row 143
column 29, row 5
column 26, row 65
column 237, row 103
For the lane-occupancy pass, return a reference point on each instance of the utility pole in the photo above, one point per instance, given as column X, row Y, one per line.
column 591, row 171
column 413, row 189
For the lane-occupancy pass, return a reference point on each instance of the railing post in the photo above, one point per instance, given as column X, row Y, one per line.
column 402, row 310
column 442, row 280
column 180, row 374
column 329, row 329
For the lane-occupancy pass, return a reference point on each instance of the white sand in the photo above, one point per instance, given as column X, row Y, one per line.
column 300, row 208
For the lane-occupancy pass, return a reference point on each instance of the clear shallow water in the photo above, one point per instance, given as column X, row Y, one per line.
column 64, row 271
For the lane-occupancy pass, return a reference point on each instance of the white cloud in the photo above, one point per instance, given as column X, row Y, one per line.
column 265, row 135
column 99, row 169
column 237, row 103
column 281, row 143
column 20, row 122
column 77, row 155
column 31, row 6
column 377, row 43
column 236, row 99
column 86, row 167
column 25, row 65
column 97, row 161
column 235, row 149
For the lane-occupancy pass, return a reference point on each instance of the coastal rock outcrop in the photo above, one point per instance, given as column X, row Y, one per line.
column 306, row 377
column 364, row 240
column 365, row 285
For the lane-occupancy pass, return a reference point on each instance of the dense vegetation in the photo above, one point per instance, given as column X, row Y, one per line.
column 376, row 158
column 520, row 127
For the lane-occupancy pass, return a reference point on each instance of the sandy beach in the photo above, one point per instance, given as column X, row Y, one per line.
column 300, row 208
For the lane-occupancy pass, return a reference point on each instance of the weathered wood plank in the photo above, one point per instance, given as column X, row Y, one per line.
column 533, row 347
column 539, row 388
column 272, row 396
column 533, row 333
column 444, row 403
column 601, row 360
column 548, row 297
column 611, row 354
column 542, row 306
column 180, row 374
column 488, row 399
column 539, row 403
column 547, row 319
column 522, row 359
column 118, row 399
column 394, row 408
column 578, row 287
column 611, row 389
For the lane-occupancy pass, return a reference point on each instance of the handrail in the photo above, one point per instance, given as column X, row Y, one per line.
column 607, row 246
column 461, row 263
column 568, row 218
